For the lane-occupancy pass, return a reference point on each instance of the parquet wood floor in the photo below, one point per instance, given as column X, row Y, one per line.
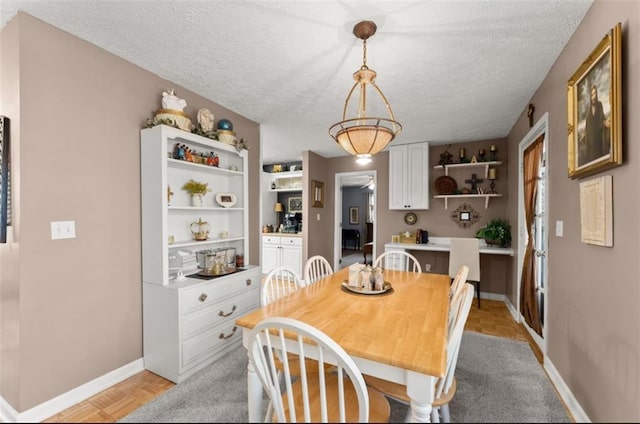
column 121, row 399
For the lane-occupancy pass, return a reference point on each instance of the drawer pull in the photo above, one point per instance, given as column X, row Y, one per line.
column 249, row 281
column 222, row 336
column 222, row 314
column 203, row 297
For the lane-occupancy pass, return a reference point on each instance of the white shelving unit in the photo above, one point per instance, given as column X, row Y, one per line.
column 455, row 166
column 286, row 181
column 163, row 218
column 189, row 323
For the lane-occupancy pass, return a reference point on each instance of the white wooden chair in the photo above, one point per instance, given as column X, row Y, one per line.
column 445, row 386
column 398, row 259
column 315, row 268
column 279, row 282
column 339, row 395
column 466, row 251
column 456, row 287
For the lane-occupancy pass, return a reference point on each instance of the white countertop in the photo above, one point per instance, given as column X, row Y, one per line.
column 282, row 234
column 443, row 244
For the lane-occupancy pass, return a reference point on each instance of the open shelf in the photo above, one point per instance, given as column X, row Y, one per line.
column 484, row 165
column 446, row 197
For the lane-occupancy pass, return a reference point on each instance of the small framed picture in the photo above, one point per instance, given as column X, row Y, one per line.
column 295, row 204
column 354, row 217
column 465, row 216
column 226, row 199
column 317, row 188
column 395, row 238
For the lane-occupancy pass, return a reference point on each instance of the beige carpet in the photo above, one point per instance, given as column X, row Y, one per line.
column 499, row 380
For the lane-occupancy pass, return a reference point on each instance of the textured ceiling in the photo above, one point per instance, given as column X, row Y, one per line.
column 452, row 70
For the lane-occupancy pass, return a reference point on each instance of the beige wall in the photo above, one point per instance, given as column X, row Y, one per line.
column 72, row 309
column 594, row 320
column 69, row 316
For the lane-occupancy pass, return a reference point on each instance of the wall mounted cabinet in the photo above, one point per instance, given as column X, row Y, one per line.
column 409, row 176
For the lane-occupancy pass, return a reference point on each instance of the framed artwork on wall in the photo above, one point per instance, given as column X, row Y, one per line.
column 354, row 217
column 317, row 189
column 295, row 204
column 5, row 185
column 594, row 109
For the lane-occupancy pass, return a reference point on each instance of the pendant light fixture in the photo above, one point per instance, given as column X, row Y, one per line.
column 361, row 135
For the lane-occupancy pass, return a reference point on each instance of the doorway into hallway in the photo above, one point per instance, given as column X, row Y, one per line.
column 354, row 216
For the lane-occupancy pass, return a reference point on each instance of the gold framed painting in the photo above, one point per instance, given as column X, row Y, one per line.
column 594, row 109
column 317, row 188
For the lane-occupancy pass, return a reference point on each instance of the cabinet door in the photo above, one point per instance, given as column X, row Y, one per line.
column 270, row 257
column 409, row 176
column 397, row 183
column 292, row 258
column 417, row 195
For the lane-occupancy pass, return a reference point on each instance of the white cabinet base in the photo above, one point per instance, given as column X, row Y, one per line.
column 188, row 325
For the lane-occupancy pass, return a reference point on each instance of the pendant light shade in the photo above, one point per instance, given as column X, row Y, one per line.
column 361, row 135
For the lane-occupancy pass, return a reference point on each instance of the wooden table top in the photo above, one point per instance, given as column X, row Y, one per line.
column 405, row 327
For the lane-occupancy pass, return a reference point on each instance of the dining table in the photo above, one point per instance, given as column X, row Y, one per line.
column 399, row 335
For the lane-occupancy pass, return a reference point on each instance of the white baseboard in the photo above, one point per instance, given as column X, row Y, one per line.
column 492, row 296
column 512, row 309
column 60, row 403
column 572, row 404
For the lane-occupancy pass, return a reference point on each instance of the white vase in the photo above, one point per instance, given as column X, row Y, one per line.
column 197, row 199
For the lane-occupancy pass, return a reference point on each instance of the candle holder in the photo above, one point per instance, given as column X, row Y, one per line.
column 493, row 151
column 492, row 177
column 481, row 154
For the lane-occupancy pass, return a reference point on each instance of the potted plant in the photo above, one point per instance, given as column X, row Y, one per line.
column 496, row 232
column 197, row 191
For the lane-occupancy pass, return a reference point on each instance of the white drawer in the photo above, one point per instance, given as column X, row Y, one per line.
column 218, row 313
column 218, row 289
column 209, row 342
column 270, row 240
column 291, row 241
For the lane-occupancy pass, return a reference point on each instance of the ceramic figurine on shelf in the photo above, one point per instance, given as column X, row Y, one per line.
column 210, row 159
column 179, row 151
column 216, row 160
column 171, row 101
column 187, row 155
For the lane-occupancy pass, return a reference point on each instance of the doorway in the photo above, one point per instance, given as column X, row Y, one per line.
column 355, row 213
column 539, row 227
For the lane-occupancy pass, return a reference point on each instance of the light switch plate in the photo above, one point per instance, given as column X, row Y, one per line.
column 559, row 228
column 63, row 230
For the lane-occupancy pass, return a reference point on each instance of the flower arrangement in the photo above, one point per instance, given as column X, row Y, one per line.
column 497, row 232
column 195, row 187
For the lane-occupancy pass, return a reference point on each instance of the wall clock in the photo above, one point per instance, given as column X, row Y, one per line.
column 410, row 218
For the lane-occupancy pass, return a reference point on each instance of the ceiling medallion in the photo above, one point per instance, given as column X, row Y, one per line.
column 361, row 135
column 465, row 216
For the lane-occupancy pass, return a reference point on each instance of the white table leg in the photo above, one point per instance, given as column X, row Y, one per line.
column 254, row 394
column 421, row 390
